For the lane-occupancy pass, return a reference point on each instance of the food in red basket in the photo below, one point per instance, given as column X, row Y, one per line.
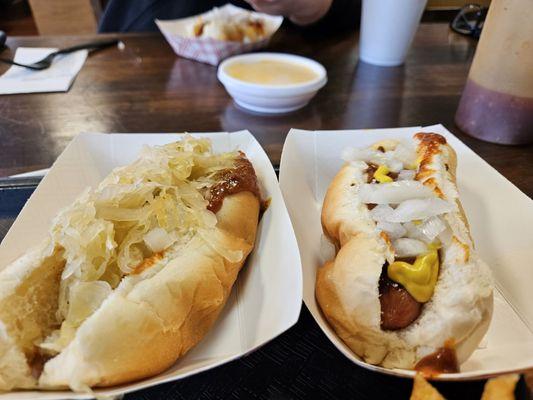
column 224, row 26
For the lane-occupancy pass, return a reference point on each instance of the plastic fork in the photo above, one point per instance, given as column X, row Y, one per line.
column 47, row 61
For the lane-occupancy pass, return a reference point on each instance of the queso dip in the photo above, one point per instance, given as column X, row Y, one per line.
column 271, row 72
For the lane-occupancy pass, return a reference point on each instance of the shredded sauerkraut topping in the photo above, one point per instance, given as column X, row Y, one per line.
column 137, row 211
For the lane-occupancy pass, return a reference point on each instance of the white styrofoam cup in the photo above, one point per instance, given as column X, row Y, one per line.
column 387, row 30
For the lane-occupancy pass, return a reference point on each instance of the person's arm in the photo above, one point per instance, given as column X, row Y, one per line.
column 300, row 12
column 327, row 15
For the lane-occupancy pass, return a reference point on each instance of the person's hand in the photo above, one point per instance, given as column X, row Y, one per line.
column 301, row 12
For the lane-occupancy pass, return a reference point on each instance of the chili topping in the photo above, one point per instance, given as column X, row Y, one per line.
column 240, row 178
column 443, row 360
column 36, row 363
column 370, row 170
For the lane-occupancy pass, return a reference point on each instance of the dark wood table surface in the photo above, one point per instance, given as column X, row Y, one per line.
column 146, row 88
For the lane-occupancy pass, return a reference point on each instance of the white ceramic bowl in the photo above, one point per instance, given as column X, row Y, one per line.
column 272, row 99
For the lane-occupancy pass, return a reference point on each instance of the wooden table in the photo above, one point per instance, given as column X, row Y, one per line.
column 146, row 88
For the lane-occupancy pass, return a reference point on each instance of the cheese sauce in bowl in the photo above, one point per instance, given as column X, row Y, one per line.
column 271, row 72
column 271, row 83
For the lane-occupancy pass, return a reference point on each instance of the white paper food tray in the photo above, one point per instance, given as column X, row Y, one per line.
column 267, row 296
column 209, row 50
column 501, row 221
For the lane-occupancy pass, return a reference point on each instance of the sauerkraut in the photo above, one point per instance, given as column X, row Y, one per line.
column 139, row 210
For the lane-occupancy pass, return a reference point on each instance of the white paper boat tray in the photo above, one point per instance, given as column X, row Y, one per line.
column 265, row 300
column 501, row 221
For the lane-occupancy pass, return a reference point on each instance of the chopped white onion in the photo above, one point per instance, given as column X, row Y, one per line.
column 414, row 209
column 382, row 212
column 393, row 230
column 446, row 236
column 394, row 192
column 432, row 227
column 366, row 155
column 414, row 232
column 392, row 163
column 405, row 153
column 406, row 175
column 410, row 210
column 370, row 155
column 406, row 247
column 158, row 240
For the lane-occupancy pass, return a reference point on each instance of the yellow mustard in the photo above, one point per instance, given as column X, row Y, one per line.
column 381, row 174
column 418, row 279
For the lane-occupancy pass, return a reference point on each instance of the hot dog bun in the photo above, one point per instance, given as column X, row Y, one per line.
column 347, row 288
column 152, row 317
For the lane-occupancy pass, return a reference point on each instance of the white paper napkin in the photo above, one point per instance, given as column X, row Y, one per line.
column 57, row 78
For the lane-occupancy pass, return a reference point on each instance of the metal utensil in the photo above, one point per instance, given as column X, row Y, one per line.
column 47, row 61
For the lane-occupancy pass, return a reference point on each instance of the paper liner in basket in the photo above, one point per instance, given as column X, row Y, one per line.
column 209, row 50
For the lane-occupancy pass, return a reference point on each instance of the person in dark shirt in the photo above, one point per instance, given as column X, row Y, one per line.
column 318, row 15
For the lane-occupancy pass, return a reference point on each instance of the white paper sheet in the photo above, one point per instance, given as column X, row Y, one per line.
column 501, row 220
column 57, row 78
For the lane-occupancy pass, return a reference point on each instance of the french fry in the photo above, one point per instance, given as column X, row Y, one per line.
column 422, row 390
column 500, row 388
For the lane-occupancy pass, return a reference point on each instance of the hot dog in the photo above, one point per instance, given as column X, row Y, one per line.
column 133, row 274
column 406, row 286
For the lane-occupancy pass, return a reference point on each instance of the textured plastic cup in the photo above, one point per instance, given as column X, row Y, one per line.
column 387, row 30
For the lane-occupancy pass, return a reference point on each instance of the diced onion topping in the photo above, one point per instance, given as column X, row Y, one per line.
column 409, row 210
column 406, row 154
column 406, row 175
column 400, row 157
column 393, row 230
column 406, row 247
column 394, row 192
column 158, row 240
column 432, row 227
column 416, row 209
